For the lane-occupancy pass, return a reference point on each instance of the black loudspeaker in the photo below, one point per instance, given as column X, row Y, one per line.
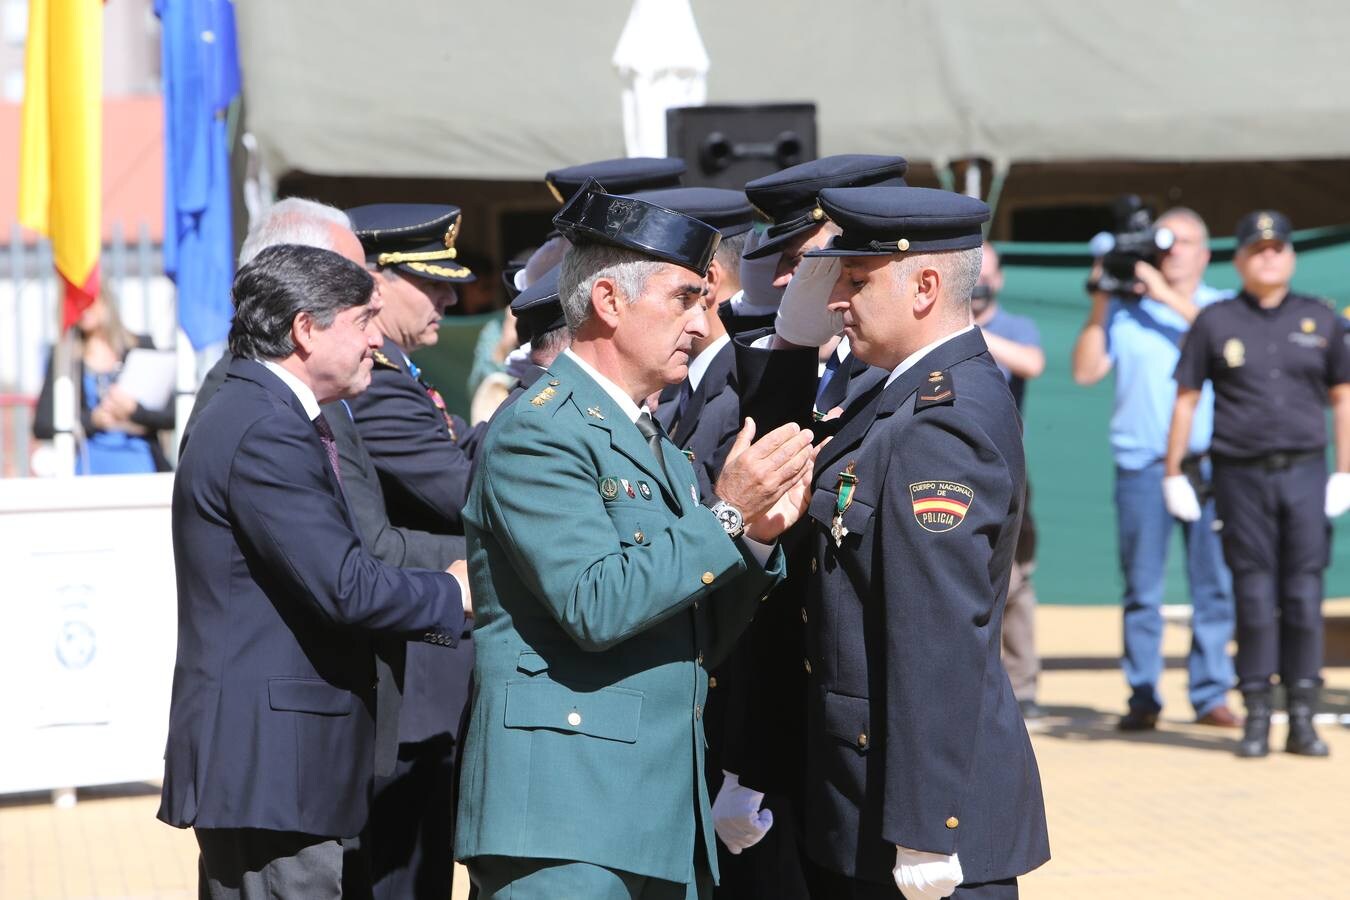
column 726, row 146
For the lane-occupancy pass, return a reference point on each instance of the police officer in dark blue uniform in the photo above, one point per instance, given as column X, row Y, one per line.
column 920, row 774
column 1276, row 359
column 423, row 456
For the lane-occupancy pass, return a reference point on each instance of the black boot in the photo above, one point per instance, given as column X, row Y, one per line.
column 1303, row 738
column 1255, row 741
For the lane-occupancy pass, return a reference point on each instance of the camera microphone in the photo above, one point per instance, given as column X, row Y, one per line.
column 1102, row 243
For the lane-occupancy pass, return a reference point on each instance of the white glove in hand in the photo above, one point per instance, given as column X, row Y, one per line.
column 1338, row 494
column 518, row 363
column 926, row 876
column 759, row 296
column 803, row 318
column 737, row 818
column 1179, row 498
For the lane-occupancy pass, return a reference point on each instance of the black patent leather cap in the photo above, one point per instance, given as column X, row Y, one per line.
column 599, row 217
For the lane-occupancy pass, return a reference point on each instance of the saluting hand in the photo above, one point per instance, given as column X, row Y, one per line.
column 758, row 473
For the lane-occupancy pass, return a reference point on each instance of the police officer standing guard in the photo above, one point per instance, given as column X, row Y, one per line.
column 1275, row 358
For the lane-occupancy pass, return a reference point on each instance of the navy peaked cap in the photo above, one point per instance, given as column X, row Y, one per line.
column 726, row 210
column 417, row 238
column 787, row 199
column 1263, row 225
column 617, row 176
column 884, row 220
column 538, row 308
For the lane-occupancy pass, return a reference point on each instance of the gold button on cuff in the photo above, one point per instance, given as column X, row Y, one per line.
column 807, row 663
column 574, row 718
column 953, row 822
column 862, row 739
column 639, row 536
column 708, row 577
column 712, row 682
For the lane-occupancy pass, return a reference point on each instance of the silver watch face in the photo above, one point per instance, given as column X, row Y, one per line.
column 730, row 517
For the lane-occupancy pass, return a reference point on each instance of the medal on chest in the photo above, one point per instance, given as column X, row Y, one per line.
column 848, row 483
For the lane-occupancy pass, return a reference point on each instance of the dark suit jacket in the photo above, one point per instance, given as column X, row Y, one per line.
column 271, row 717
column 422, row 688
column 207, row 389
column 710, row 421
column 914, row 736
column 424, row 467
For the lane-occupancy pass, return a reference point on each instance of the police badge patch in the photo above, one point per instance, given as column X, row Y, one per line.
column 940, row 505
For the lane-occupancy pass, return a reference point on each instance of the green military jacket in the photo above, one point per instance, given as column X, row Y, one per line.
column 603, row 594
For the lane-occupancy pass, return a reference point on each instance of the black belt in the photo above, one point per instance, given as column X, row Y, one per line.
column 1271, row 462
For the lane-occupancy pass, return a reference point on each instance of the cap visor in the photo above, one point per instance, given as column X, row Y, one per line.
column 842, row 251
column 776, row 244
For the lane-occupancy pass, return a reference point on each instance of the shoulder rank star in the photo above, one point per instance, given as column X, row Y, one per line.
column 543, row 396
column 848, row 483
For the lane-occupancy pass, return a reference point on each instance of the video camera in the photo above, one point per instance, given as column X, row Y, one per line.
column 1136, row 239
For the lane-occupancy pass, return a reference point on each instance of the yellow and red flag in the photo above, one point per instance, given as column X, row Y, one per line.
column 61, row 156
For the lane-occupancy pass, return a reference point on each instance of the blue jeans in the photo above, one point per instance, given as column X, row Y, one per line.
column 1145, row 531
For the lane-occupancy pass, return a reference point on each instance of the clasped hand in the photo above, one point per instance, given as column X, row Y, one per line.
column 768, row 480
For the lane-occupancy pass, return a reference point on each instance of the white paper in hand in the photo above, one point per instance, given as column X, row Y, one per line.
column 149, row 376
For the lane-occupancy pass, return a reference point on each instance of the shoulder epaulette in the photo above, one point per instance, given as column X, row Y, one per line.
column 382, row 360
column 936, row 391
column 548, row 393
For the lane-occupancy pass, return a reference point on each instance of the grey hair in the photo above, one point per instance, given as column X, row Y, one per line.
column 293, row 220
column 546, row 347
column 729, row 252
column 960, row 270
column 280, row 283
column 1185, row 212
column 584, row 264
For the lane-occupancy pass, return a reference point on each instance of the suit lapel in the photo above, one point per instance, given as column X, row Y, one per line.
column 714, row 379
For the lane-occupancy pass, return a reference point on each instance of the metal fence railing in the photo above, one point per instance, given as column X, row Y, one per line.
column 132, row 266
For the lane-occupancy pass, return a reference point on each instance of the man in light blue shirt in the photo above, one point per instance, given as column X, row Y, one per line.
column 1140, row 339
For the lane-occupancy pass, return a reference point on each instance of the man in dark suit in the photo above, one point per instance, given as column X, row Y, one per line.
column 293, row 220
column 920, row 774
column 271, row 723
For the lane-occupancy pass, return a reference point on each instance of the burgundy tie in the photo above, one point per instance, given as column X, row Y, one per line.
column 329, row 444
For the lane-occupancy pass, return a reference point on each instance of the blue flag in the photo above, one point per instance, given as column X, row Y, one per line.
column 201, row 79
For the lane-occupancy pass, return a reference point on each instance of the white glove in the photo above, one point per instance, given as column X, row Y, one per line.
column 737, row 818
column 926, row 876
column 1179, row 498
column 1338, row 494
column 518, row 363
column 759, row 296
column 803, row 318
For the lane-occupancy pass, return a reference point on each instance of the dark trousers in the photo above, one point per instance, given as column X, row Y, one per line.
column 256, row 864
column 406, row 850
column 827, row 885
column 1277, row 541
column 772, row 869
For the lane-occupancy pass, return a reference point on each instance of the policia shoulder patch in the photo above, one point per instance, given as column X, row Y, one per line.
column 940, row 505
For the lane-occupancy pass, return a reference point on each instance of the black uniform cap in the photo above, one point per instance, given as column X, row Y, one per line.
column 618, row 176
column 788, row 198
column 538, row 308
column 594, row 216
column 417, row 238
column 726, row 210
column 878, row 221
column 1263, row 225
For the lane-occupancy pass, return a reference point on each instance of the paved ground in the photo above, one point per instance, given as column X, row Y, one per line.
column 1165, row 815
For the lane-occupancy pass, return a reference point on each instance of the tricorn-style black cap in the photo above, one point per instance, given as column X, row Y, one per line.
column 618, row 176
column 726, row 210
column 417, row 238
column 594, row 216
column 878, row 221
column 788, row 198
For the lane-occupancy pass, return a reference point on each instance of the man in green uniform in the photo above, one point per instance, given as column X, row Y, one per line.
column 603, row 589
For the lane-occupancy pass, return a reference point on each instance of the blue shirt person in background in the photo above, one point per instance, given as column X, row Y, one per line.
column 1015, row 343
column 120, row 436
column 1140, row 338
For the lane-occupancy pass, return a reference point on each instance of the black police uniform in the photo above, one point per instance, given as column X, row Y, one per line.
column 1271, row 369
column 914, row 737
column 423, row 455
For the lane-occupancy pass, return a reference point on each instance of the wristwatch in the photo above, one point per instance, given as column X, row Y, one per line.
column 730, row 518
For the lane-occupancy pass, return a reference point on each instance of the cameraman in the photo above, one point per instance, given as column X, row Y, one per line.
column 1140, row 334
